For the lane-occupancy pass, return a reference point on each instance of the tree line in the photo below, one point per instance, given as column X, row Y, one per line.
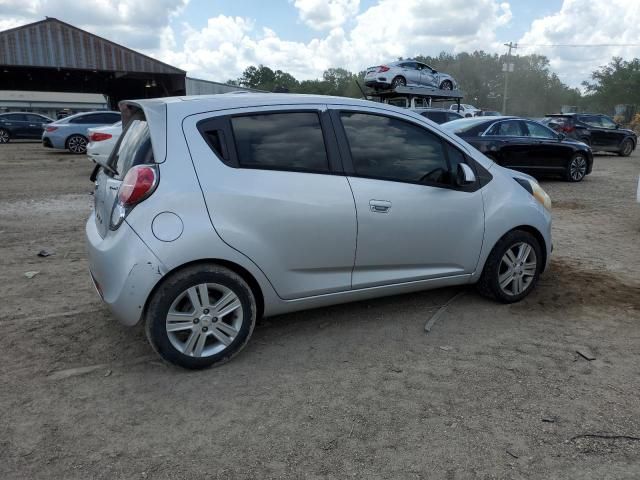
column 533, row 88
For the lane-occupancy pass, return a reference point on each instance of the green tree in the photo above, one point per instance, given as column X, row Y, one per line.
column 615, row 83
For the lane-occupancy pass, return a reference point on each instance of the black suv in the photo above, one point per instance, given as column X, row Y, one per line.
column 22, row 125
column 598, row 131
column 438, row 115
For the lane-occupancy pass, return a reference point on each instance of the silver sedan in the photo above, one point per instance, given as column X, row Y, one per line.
column 407, row 73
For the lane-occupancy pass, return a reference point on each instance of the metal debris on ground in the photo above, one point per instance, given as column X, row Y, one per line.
column 429, row 325
column 31, row 274
column 45, row 253
column 586, row 354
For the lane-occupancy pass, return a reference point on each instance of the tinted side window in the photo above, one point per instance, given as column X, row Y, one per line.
column 539, row 131
column 438, row 117
column 36, row 119
column 15, row 117
column 453, row 116
column 84, row 119
column 391, row 149
column 509, row 128
column 283, row 141
column 591, row 120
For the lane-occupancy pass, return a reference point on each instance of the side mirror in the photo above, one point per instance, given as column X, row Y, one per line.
column 561, row 136
column 617, row 126
column 465, row 175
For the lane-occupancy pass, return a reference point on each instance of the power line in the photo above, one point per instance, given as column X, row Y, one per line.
column 575, row 45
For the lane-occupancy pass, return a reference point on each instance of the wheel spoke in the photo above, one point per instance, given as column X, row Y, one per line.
column 509, row 258
column 222, row 337
column 226, row 329
column 525, row 249
column 203, row 290
column 191, row 342
column 195, row 300
column 179, row 321
column 505, row 279
column 230, row 307
column 199, row 347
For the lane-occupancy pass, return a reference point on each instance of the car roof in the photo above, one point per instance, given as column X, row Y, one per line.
column 420, row 110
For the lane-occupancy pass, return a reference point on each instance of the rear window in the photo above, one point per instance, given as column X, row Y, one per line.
column 280, row 141
column 134, row 148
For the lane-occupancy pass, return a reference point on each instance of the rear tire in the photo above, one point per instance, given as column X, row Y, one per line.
column 4, row 136
column 398, row 82
column 626, row 148
column 77, row 144
column 508, row 284
column 201, row 316
column 446, row 85
column 576, row 168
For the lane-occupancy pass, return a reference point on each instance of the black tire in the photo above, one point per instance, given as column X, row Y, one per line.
column 4, row 136
column 489, row 283
column 172, row 290
column 446, row 85
column 626, row 148
column 576, row 168
column 77, row 144
column 398, row 82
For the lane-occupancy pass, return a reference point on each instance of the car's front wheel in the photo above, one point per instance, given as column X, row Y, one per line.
column 513, row 267
column 577, row 168
column 201, row 316
column 446, row 85
column 626, row 148
column 77, row 144
column 4, row 136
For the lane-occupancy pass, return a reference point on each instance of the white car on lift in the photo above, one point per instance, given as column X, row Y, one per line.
column 102, row 140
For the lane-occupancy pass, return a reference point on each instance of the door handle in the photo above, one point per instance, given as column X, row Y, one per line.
column 379, row 206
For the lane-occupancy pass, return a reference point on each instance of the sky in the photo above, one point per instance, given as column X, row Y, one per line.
column 218, row 39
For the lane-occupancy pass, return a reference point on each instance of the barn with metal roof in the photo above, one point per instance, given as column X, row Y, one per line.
column 52, row 55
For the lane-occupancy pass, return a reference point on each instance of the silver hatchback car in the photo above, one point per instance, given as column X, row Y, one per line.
column 215, row 211
column 407, row 73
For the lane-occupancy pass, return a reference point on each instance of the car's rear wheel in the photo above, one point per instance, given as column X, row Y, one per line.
column 513, row 267
column 4, row 136
column 201, row 316
column 446, row 85
column 398, row 82
column 626, row 148
column 576, row 168
column 77, row 144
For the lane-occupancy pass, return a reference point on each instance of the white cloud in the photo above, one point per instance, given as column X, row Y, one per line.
column 134, row 23
column 324, row 14
column 585, row 23
column 227, row 45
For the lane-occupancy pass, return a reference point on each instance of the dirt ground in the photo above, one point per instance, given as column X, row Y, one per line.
column 357, row 390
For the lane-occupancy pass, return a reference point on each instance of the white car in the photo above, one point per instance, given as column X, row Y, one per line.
column 102, row 140
column 465, row 110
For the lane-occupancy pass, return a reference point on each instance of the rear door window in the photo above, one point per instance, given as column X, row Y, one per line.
column 509, row 128
column 134, row 148
column 281, row 141
column 539, row 131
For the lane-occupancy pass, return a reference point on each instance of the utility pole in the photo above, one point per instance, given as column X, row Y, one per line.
column 506, row 68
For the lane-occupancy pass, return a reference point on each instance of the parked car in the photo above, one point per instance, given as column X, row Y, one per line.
column 598, row 131
column 102, row 140
column 438, row 115
column 465, row 110
column 218, row 210
column 526, row 146
column 489, row 113
column 407, row 73
column 17, row 125
column 72, row 132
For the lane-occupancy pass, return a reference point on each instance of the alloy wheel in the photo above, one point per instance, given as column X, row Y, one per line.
column 446, row 86
column 517, row 269
column 204, row 320
column 628, row 147
column 578, row 168
column 77, row 144
column 4, row 136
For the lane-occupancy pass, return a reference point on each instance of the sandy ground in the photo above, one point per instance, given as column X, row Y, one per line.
column 356, row 390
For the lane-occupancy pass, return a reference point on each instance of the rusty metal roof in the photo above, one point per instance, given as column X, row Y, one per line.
column 53, row 43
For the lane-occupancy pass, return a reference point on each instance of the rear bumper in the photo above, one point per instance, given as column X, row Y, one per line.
column 377, row 84
column 46, row 142
column 52, row 141
column 124, row 270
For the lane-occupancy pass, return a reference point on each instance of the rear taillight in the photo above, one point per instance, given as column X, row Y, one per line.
column 138, row 184
column 99, row 137
column 568, row 128
column 51, row 129
column 383, row 68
